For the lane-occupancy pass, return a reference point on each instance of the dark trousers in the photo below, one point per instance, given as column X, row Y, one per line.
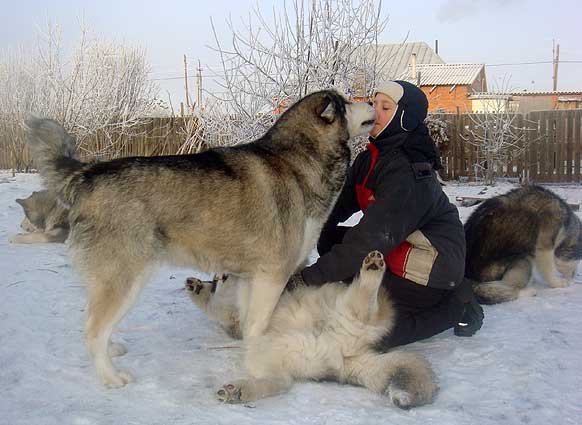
column 421, row 311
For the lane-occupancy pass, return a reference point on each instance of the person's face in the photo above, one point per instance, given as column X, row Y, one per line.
column 385, row 109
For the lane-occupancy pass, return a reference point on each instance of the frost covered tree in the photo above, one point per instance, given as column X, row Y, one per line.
column 273, row 60
column 497, row 133
column 101, row 87
column 438, row 130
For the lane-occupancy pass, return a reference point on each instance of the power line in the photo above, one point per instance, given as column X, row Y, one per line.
column 530, row 63
column 487, row 64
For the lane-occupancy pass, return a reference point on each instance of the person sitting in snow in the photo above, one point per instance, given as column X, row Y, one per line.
column 406, row 216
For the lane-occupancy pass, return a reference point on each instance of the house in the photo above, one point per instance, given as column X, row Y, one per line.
column 448, row 86
column 392, row 61
column 528, row 101
column 492, row 102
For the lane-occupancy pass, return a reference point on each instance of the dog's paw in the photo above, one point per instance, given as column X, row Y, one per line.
column 198, row 291
column 116, row 379
column 194, row 285
column 559, row 282
column 374, row 261
column 235, row 393
column 16, row 238
column 528, row 293
column 399, row 397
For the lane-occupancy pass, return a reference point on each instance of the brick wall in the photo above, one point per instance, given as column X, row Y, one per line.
column 447, row 99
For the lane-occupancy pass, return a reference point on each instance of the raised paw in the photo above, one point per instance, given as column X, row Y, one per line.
column 374, row 261
column 198, row 291
column 233, row 393
column 194, row 285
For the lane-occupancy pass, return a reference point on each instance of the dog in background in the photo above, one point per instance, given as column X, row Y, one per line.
column 509, row 234
column 45, row 219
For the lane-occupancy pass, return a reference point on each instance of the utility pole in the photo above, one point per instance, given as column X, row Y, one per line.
column 555, row 61
column 413, row 69
column 186, row 82
column 199, row 86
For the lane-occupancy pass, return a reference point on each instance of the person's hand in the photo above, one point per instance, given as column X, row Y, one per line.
column 470, row 313
column 471, row 319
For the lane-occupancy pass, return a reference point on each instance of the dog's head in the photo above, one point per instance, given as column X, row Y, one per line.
column 36, row 208
column 328, row 113
column 359, row 116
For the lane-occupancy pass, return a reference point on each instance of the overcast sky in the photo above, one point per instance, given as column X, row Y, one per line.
column 491, row 32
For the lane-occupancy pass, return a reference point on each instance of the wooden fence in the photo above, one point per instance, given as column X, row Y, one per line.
column 553, row 146
column 156, row 136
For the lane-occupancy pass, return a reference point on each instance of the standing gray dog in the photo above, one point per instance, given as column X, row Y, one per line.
column 253, row 211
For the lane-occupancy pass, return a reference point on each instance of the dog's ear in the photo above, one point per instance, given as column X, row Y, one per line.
column 21, row 202
column 328, row 114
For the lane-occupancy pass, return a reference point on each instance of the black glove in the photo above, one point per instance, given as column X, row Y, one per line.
column 471, row 320
column 471, row 315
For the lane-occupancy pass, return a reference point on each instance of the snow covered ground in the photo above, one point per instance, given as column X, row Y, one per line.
column 523, row 367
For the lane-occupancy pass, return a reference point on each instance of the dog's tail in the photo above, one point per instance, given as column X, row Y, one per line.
column 54, row 152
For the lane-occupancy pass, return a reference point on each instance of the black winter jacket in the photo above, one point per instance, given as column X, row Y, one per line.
column 407, row 217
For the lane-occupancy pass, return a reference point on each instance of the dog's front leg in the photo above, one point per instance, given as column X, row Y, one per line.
column 567, row 268
column 362, row 295
column 57, row 235
column 29, row 238
column 546, row 264
column 265, row 291
column 220, row 305
column 252, row 389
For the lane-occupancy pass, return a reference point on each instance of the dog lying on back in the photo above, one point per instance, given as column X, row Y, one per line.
column 328, row 332
column 509, row 234
column 45, row 219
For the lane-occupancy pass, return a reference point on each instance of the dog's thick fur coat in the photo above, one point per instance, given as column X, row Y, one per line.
column 326, row 332
column 510, row 234
column 253, row 211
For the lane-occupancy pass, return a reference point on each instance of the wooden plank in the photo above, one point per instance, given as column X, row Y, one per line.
column 545, row 155
column 558, row 144
column 541, row 137
column 577, row 144
column 534, row 163
column 555, row 147
column 568, row 142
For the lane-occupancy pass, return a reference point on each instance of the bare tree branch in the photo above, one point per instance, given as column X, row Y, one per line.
column 271, row 63
column 103, row 87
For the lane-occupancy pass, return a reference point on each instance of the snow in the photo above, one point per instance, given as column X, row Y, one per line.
column 523, row 367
